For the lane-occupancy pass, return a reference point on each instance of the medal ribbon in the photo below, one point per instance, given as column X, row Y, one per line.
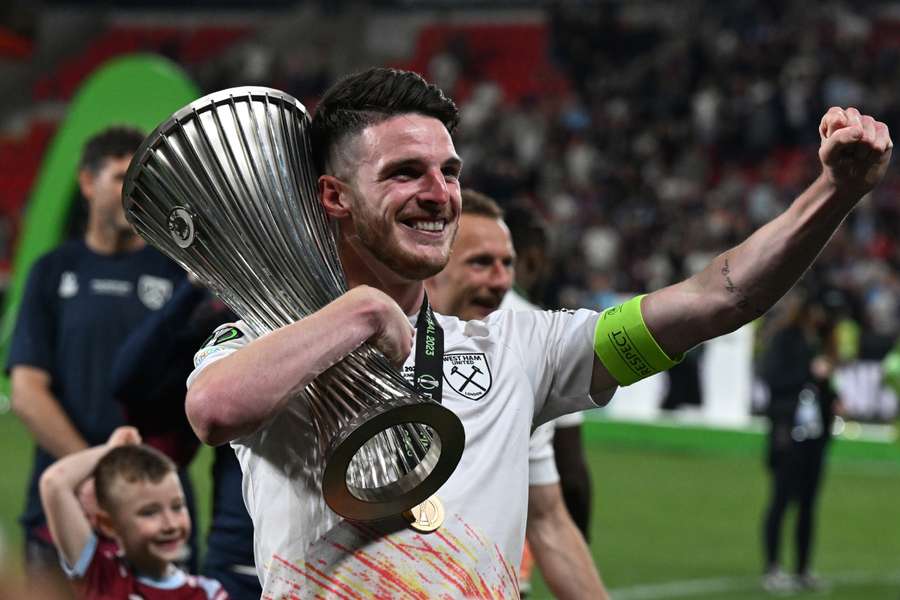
column 428, row 375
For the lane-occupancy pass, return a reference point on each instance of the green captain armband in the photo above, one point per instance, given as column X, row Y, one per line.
column 626, row 347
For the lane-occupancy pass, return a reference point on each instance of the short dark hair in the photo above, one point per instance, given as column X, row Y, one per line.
column 131, row 463
column 117, row 141
column 476, row 203
column 527, row 228
column 372, row 96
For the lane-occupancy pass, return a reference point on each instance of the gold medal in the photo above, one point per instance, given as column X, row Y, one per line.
column 426, row 517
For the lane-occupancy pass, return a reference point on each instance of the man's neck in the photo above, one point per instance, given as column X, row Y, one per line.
column 407, row 296
column 103, row 241
column 366, row 270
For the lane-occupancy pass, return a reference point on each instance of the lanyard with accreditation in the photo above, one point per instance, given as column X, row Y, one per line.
column 428, row 376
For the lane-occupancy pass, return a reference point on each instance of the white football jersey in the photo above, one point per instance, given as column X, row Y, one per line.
column 501, row 376
column 541, row 458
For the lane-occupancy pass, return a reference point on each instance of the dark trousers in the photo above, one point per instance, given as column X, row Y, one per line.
column 796, row 473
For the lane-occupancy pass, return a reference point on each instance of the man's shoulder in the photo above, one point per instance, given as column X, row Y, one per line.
column 63, row 256
column 512, row 300
column 448, row 322
column 500, row 324
column 231, row 333
column 75, row 255
column 456, row 330
column 46, row 271
column 225, row 339
column 73, row 247
column 518, row 321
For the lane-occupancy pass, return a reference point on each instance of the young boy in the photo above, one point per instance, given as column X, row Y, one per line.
column 140, row 506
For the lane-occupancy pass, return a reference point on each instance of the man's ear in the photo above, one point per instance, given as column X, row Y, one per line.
column 105, row 525
column 86, row 183
column 336, row 201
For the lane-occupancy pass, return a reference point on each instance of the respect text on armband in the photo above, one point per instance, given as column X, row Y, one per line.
column 626, row 350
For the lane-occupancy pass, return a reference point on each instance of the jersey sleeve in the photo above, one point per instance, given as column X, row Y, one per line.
column 556, row 349
column 225, row 340
column 33, row 340
column 97, row 569
column 80, row 568
column 541, row 459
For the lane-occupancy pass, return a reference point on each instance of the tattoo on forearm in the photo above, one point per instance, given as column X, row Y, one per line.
column 743, row 301
column 729, row 284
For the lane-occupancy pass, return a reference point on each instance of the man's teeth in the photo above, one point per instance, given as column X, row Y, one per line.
column 429, row 225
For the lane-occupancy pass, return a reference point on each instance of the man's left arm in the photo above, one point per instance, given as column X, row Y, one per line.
column 559, row 548
column 742, row 283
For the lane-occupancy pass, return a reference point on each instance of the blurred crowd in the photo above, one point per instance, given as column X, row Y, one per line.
column 686, row 127
column 679, row 129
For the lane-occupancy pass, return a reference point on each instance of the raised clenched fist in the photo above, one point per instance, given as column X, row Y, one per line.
column 855, row 150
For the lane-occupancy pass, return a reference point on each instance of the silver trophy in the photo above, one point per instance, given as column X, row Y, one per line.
column 226, row 187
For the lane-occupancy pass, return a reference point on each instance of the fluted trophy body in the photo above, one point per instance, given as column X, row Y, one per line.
column 227, row 188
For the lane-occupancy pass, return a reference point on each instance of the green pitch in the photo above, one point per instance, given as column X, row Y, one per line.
column 676, row 513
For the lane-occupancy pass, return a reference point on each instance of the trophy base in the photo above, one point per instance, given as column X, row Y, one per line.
column 380, row 501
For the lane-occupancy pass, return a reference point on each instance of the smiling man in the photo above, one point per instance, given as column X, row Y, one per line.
column 480, row 270
column 390, row 182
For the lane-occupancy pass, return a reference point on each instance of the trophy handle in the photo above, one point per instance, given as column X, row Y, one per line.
column 366, row 435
